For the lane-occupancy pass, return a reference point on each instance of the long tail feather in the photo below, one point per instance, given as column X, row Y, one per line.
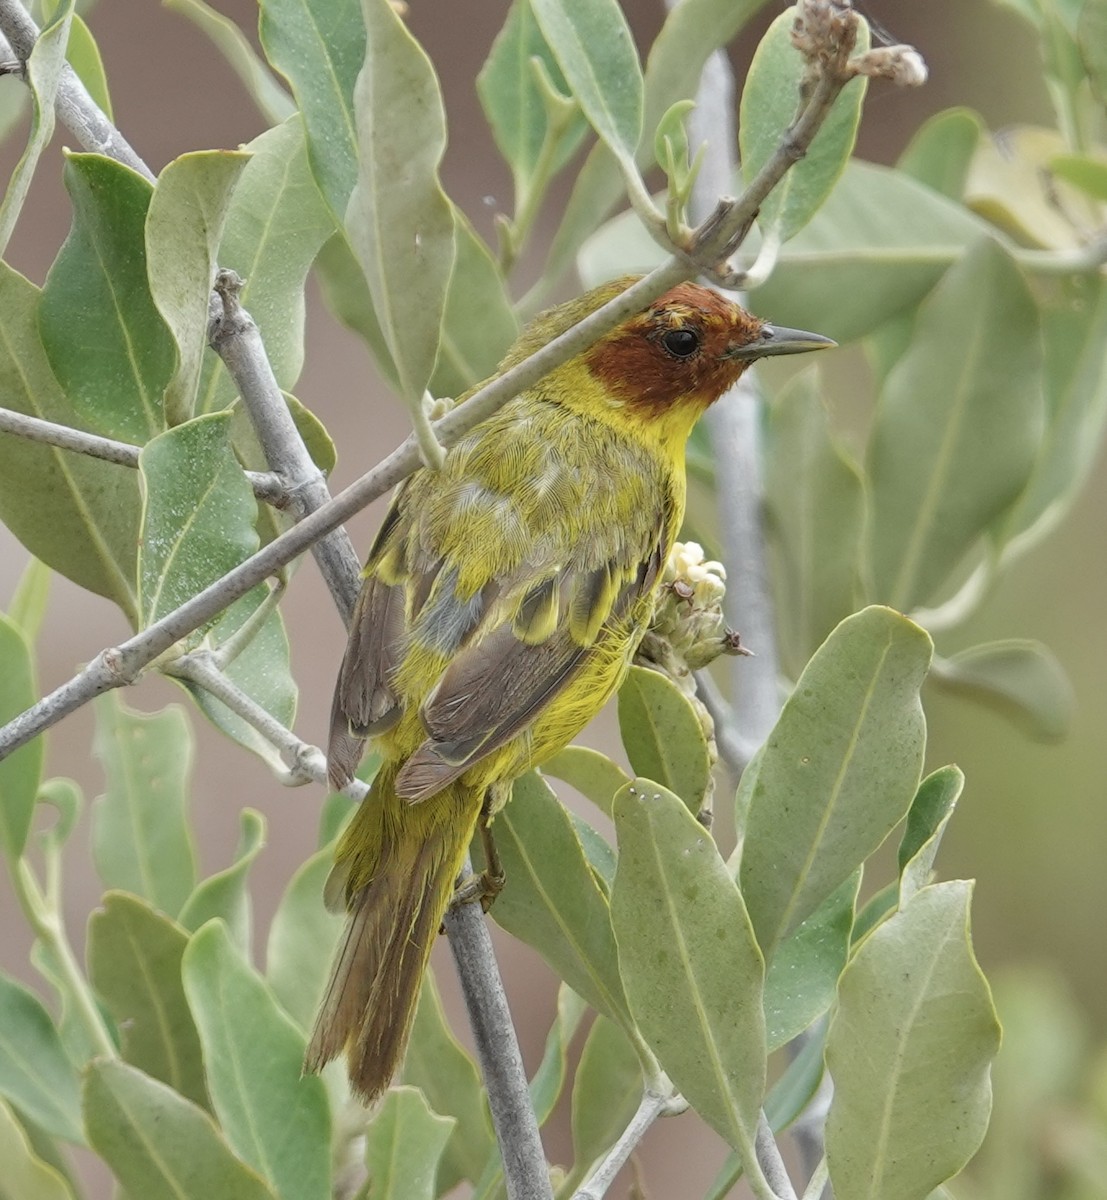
column 400, row 863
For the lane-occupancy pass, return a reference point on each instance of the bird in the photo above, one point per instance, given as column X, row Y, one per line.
column 503, row 600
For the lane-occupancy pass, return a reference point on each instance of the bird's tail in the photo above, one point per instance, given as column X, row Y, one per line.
column 394, row 874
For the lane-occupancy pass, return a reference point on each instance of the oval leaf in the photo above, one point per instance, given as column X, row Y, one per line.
column 838, row 772
column 21, row 771
column 159, row 1145
column 941, row 151
column 769, row 103
column 26, row 1176
column 691, row 966
column 663, row 736
column 956, row 432
column 400, row 223
column 909, row 1050
column 276, row 1119
column 134, row 963
column 593, row 774
column 930, row 810
column 141, row 841
column 403, row 1144
column 224, row 895
column 552, row 900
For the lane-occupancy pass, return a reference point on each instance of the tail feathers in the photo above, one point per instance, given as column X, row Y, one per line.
column 370, row 1002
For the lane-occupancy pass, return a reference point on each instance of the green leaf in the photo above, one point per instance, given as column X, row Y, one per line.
column 479, row 324
column 552, row 900
column 347, row 296
column 1087, row 173
column 84, row 56
column 35, row 1074
column 815, row 502
column 159, row 1145
column 607, row 1090
column 690, row 964
column 26, row 1176
column 1019, row 677
column 545, row 1087
column 198, row 519
column 276, row 1119
column 275, row 225
column 663, row 736
column 877, row 245
column 909, row 1050
column 958, row 425
column 802, row 976
column 770, row 101
column 28, row 604
column 594, row 48
column 102, row 332
column 441, row 1069
column 399, row 220
column 44, row 68
column 134, row 963
column 77, row 514
column 514, row 103
column 184, row 225
column 930, row 810
column 1074, row 325
column 224, row 895
column 838, row 772
column 273, row 102
column 941, row 151
column 302, row 938
column 403, row 1144
column 591, row 773
column 141, row 841
column 319, row 47
column 20, row 771
column 261, row 669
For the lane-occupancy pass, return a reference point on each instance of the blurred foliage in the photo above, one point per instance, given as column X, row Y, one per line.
column 970, row 276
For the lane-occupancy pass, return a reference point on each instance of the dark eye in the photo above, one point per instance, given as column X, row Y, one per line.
column 681, row 343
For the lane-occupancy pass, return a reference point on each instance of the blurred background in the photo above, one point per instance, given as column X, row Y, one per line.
column 1032, row 824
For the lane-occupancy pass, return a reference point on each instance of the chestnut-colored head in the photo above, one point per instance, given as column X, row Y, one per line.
column 686, row 350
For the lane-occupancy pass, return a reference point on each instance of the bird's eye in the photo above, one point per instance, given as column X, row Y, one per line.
column 681, row 343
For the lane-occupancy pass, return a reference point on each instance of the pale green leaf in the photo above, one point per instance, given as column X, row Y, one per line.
column 159, row 1145
column 594, row 48
column 224, row 894
column 134, row 963
column 29, row 600
column 959, row 422
column 43, row 71
column 909, row 1050
column 399, row 220
column 198, row 518
column 593, row 774
column 108, row 345
column 545, row 1087
column 78, row 514
column 273, row 102
column 815, row 509
column 141, row 841
column 1086, row 172
column 440, row 1068
column 184, row 226
column 276, row 1119
column 319, row 47
column 26, row 1176
column 663, row 736
column 276, row 224
column 84, row 57
column 770, row 102
column 302, row 939
column 690, row 964
column 552, row 900
column 36, row 1076
column 20, row 771
column 926, row 824
column 837, row 773
column 1020, row 677
column 941, row 151
column 403, row 1144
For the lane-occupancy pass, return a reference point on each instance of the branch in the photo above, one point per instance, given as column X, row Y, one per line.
column 655, row 1103
column 770, row 1162
column 266, row 485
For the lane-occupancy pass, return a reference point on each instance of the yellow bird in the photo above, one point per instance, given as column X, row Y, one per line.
column 504, row 598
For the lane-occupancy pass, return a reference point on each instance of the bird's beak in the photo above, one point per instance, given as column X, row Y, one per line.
column 778, row 339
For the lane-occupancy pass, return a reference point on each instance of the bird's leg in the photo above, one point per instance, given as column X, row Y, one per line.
column 484, row 885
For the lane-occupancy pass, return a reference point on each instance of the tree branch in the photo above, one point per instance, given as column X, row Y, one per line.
column 654, row 1104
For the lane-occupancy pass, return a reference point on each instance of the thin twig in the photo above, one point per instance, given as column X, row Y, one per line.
column 266, row 485
column 770, row 1162
column 654, row 1104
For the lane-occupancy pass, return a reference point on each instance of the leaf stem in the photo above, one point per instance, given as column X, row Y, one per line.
column 654, row 1104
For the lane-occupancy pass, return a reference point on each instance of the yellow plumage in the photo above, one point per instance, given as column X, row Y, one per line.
column 503, row 601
